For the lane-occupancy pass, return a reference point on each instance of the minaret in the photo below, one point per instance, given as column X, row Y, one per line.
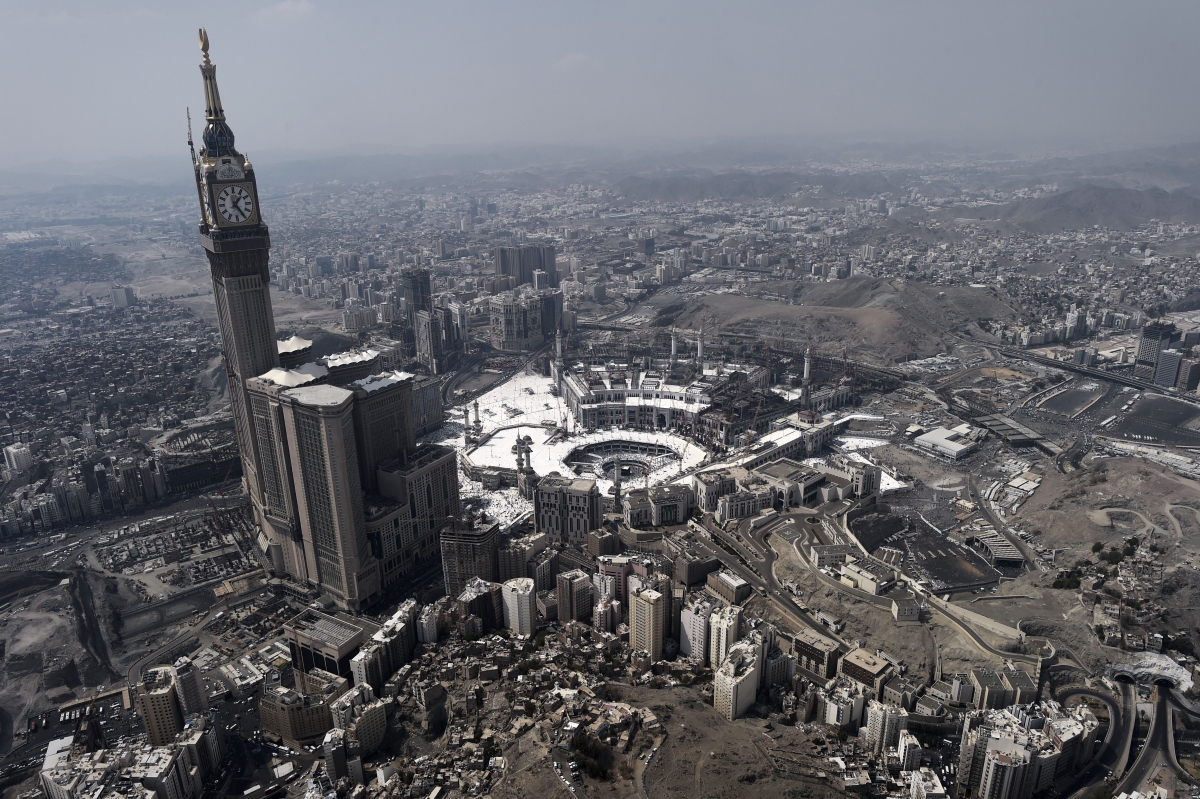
column 674, row 345
column 558, row 352
column 807, row 364
column 237, row 244
column 700, row 346
column 617, row 487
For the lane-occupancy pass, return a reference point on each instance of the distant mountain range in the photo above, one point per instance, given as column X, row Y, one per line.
column 1091, row 205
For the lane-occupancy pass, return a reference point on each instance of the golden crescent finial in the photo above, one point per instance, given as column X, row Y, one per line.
column 204, row 41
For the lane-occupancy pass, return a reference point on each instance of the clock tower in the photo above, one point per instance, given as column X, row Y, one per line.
column 237, row 242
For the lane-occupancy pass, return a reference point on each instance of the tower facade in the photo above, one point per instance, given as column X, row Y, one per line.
column 648, row 611
column 237, row 243
column 319, row 421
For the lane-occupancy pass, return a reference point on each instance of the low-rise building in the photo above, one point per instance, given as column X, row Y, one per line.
column 729, row 586
column 869, row 670
column 816, row 653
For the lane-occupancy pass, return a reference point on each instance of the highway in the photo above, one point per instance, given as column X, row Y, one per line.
column 1157, row 751
column 1113, row 754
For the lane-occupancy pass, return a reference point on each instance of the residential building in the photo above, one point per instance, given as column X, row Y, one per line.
column 520, row 605
column 470, row 549
column 648, row 618
column 735, row 683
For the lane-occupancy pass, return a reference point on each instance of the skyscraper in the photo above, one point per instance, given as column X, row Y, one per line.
column 158, row 705
column 324, row 464
column 322, row 442
column 418, row 293
column 574, row 591
column 523, row 261
column 648, row 622
column 470, row 549
column 1156, row 337
column 236, row 241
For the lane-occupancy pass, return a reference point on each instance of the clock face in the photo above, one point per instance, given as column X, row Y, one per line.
column 235, row 204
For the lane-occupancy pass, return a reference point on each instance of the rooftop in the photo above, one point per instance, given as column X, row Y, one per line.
column 292, row 345
column 380, row 381
column 323, row 628
column 320, row 396
column 350, row 358
column 295, row 377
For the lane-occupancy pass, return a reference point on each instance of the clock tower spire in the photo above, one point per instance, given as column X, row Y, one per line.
column 218, row 138
column 237, row 243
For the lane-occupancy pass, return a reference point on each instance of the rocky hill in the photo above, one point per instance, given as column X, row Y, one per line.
column 1090, row 205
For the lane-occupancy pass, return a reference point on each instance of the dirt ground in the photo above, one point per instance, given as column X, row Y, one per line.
column 703, row 755
column 876, row 319
column 1068, row 509
column 916, row 646
column 161, row 270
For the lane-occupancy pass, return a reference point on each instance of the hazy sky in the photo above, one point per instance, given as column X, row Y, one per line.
column 111, row 80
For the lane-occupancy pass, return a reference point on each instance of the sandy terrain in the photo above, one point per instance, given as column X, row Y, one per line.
column 876, row 319
column 1070, row 509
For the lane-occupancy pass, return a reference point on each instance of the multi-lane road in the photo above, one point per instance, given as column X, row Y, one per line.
column 1113, row 754
column 1156, row 751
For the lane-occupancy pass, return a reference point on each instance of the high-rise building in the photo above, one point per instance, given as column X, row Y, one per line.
column 319, row 421
column 693, row 627
column 574, row 591
column 427, row 327
column 724, row 629
column 236, row 241
column 17, row 457
column 469, row 549
column 1156, row 337
column 521, row 262
column 123, row 297
column 566, row 509
column 909, row 749
column 1189, row 375
column 517, row 320
column 1005, row 770
column 884, row 723
column 520, row 605
column 735, row 683
column 189, row 687
column 648, row 619
column 158, row 705
column 516, row 554
column 1167, row 371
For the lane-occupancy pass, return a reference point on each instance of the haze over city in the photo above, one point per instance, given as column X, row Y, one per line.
column 387, row 78
column 578, row 399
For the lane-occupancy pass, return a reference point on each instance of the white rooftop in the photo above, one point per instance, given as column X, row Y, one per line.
column 320, row 396
column 295, row 377
column 292, row 344
column 351, row 358
column 377, row 382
